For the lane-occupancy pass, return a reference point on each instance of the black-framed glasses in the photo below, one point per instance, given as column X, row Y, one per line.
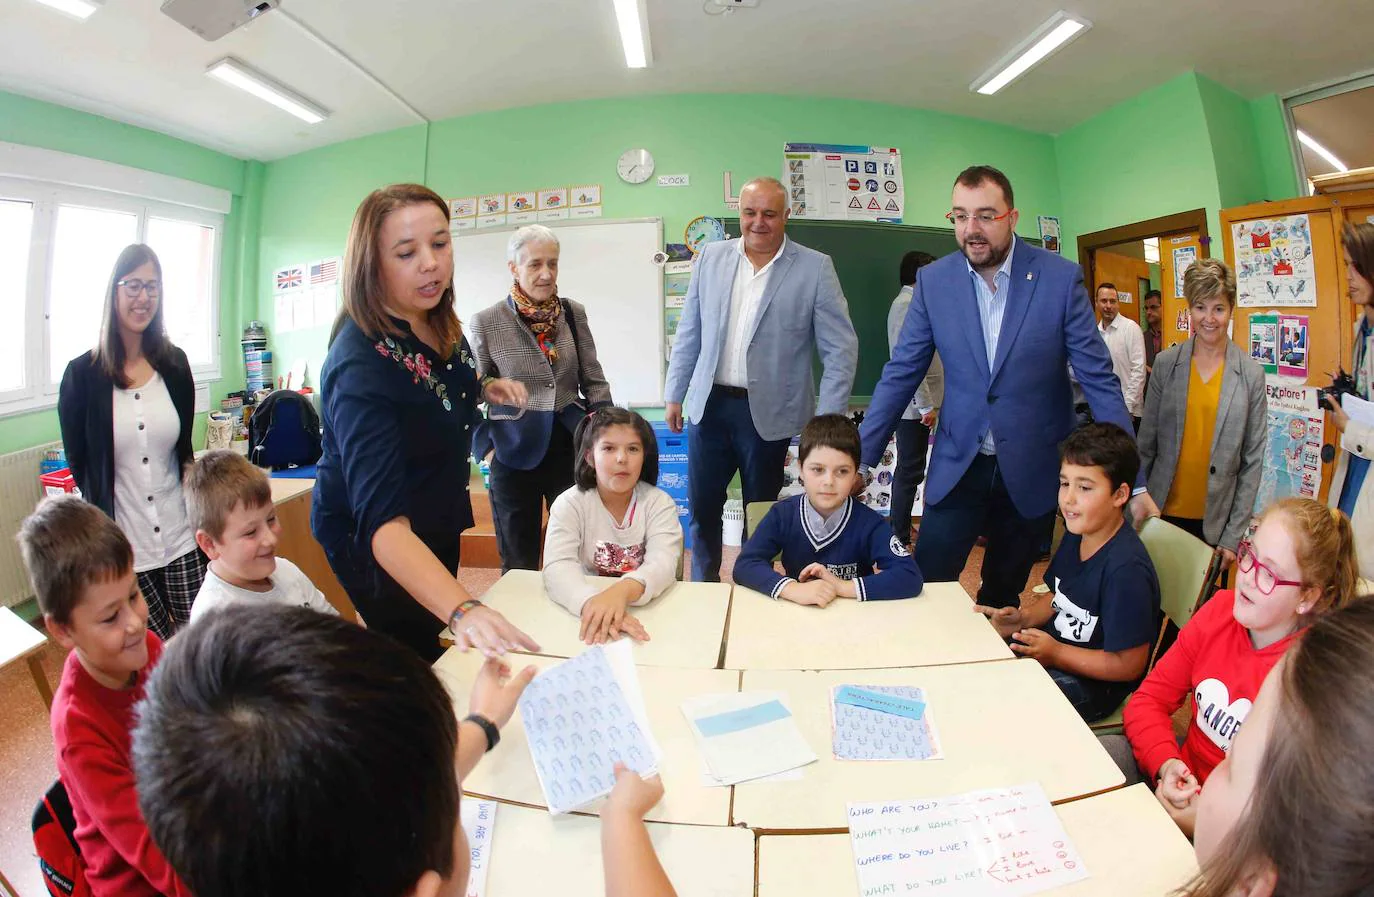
column 135, row 286
column 984, row 218
column 1265, row 578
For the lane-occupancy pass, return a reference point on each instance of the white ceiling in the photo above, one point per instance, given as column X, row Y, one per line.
column 455, row 57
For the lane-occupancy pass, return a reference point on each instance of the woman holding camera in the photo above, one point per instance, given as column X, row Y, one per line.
column 1348, row 490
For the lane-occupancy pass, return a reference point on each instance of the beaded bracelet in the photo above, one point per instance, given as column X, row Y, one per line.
column 461, row 611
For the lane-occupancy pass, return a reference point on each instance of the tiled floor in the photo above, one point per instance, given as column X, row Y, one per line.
column 26, row 762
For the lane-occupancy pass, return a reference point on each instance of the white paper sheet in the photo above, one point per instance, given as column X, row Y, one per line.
column 745, row 736
column 477, row 818
column 1005, row 841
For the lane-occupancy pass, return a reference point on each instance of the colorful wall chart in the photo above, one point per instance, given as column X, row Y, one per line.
column 1274, row 263
column 844, row 183
column 1293, row 452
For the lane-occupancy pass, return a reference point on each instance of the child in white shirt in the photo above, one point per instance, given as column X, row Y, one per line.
column 614, row 522
column 229, row 503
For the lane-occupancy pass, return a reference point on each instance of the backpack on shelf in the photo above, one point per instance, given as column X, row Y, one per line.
column 284, row 431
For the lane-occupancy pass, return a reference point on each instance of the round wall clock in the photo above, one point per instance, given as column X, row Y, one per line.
column 635, row 166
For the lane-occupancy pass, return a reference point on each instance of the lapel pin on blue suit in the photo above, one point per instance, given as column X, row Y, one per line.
column 1029, row 276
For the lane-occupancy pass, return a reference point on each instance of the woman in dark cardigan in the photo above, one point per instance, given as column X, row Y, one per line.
column 126, row 410
column 400, row 393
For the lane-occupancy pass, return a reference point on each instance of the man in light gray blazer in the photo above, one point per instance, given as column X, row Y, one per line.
column 741, row 366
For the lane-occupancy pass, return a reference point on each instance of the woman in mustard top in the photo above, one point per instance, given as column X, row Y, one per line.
column 1202, row 437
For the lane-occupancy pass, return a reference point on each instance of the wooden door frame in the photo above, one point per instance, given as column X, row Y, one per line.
column 1154, row 227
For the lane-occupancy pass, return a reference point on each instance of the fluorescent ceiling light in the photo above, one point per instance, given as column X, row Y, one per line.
column 1058, row 32
column 234, row 73
column 634, row 32
column 80, row 9
column 1306, row 140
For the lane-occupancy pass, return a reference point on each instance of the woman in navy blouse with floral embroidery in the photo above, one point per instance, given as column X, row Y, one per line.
column 400, row 392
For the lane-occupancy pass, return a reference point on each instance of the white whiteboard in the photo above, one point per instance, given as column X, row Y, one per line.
column 607, row 265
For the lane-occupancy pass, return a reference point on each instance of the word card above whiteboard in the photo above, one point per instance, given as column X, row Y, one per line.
column 607, row 265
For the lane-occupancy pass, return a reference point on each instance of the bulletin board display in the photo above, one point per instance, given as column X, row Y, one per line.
column 1327, row 340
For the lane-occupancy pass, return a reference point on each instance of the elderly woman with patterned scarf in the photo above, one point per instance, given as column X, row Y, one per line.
column 542, row 341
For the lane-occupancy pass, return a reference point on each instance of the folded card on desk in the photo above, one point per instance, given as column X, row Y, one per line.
column 477, row 818
column 746, row 735
column 581, row 717
column 882, row 722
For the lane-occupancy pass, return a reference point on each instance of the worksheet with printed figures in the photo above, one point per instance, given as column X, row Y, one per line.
column 581, row 717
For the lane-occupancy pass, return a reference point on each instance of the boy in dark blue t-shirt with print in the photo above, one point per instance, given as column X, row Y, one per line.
column 1094, row 634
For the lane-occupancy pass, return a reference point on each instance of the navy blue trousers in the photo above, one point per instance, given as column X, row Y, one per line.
column 980, row 506
column 722, row 442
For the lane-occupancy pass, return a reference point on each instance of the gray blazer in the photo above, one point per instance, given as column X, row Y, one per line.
column 1238, row 439
column 802, row 306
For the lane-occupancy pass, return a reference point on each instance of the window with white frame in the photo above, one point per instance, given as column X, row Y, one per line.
column 58, row 246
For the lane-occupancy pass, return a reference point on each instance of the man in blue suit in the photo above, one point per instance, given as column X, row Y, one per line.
column 1007, row 318
column 741, row 363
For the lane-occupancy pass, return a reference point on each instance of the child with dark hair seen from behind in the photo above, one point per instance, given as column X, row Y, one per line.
column 832, row 546
column 273, row 761
column 81, row 566
column 1095, row 633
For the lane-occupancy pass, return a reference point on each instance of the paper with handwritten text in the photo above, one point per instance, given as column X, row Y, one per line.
column 477, row 818
column 1005, row 841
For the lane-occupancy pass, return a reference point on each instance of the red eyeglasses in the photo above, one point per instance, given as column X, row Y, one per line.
column 1265, row 578
column 984, row 218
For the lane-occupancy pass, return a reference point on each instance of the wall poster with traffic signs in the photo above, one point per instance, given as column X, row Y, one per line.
column 839, row 182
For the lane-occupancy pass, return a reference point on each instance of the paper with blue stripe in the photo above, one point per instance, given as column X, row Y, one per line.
column 746, row 718
column 883, row 703
column 745, row 736
column 882, row 722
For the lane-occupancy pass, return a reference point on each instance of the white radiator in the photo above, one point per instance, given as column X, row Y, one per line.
column 19, row 493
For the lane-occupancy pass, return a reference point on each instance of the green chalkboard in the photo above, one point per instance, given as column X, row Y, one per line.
column 867, row 257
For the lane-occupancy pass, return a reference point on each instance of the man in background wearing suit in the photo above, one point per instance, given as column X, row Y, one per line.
column 1007, row 319
column 741, row 363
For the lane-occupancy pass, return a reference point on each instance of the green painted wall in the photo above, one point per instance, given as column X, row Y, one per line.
column 1275, row 148
column 307, row 206
column 1235, row 150
column 35, row 123
column 1145, row 157
column 311, row 197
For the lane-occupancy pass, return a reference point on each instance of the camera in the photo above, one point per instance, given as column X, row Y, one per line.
column 1341, row 384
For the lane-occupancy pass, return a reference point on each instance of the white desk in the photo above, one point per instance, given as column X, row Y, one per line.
column 998, row 724
column 535, row 853
column 1129, row 844
column 508, row 773
column 20, row 641
column 686, row 623
column 939, row 626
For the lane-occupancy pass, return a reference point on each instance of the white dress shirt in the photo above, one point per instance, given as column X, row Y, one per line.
column 992, row 307
column 745, row 295
column 1126, row 343
column 148, row 503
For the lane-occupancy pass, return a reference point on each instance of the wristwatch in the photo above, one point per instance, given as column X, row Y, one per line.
column 488, row 727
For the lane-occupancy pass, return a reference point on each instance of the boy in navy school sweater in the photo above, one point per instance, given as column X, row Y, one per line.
column 830, row 543
column 1094, row 636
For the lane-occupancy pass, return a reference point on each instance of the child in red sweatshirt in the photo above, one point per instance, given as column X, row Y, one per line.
column 1300, row 562
column 82, row 570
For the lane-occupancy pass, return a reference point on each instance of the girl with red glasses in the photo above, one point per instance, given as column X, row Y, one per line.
column 1299, row 564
